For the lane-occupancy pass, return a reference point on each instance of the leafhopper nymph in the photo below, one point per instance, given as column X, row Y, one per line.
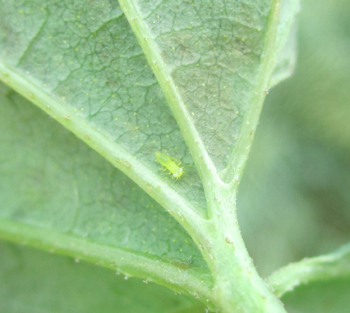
column 170, row 164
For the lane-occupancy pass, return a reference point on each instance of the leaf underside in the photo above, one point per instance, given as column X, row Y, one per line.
column 84, row 55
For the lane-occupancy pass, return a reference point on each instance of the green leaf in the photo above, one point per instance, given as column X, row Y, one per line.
column 208, row 59
column 93, row 64
column 40, row 282
column 95, row 80
column 58, row 194
column 183, row 78
column 325, row 267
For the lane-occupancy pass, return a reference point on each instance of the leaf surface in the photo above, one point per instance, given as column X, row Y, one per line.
column 206, row 57
column 74, row 202
column 85, row 55
column 174, row 77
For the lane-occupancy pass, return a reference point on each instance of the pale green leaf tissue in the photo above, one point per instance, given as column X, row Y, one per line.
column 129, row 79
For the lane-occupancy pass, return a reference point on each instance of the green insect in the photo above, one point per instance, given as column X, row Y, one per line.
column 170, row 164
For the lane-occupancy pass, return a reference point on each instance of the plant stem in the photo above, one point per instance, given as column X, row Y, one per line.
column 237, row 285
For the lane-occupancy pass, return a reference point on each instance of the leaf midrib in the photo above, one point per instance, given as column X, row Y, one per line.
column 168, row 274
column 100, row 141
column 189, row 280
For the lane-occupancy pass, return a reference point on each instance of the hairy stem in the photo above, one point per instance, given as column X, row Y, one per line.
column 237, row 285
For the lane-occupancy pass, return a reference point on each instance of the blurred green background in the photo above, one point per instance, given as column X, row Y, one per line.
column 294, row 200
